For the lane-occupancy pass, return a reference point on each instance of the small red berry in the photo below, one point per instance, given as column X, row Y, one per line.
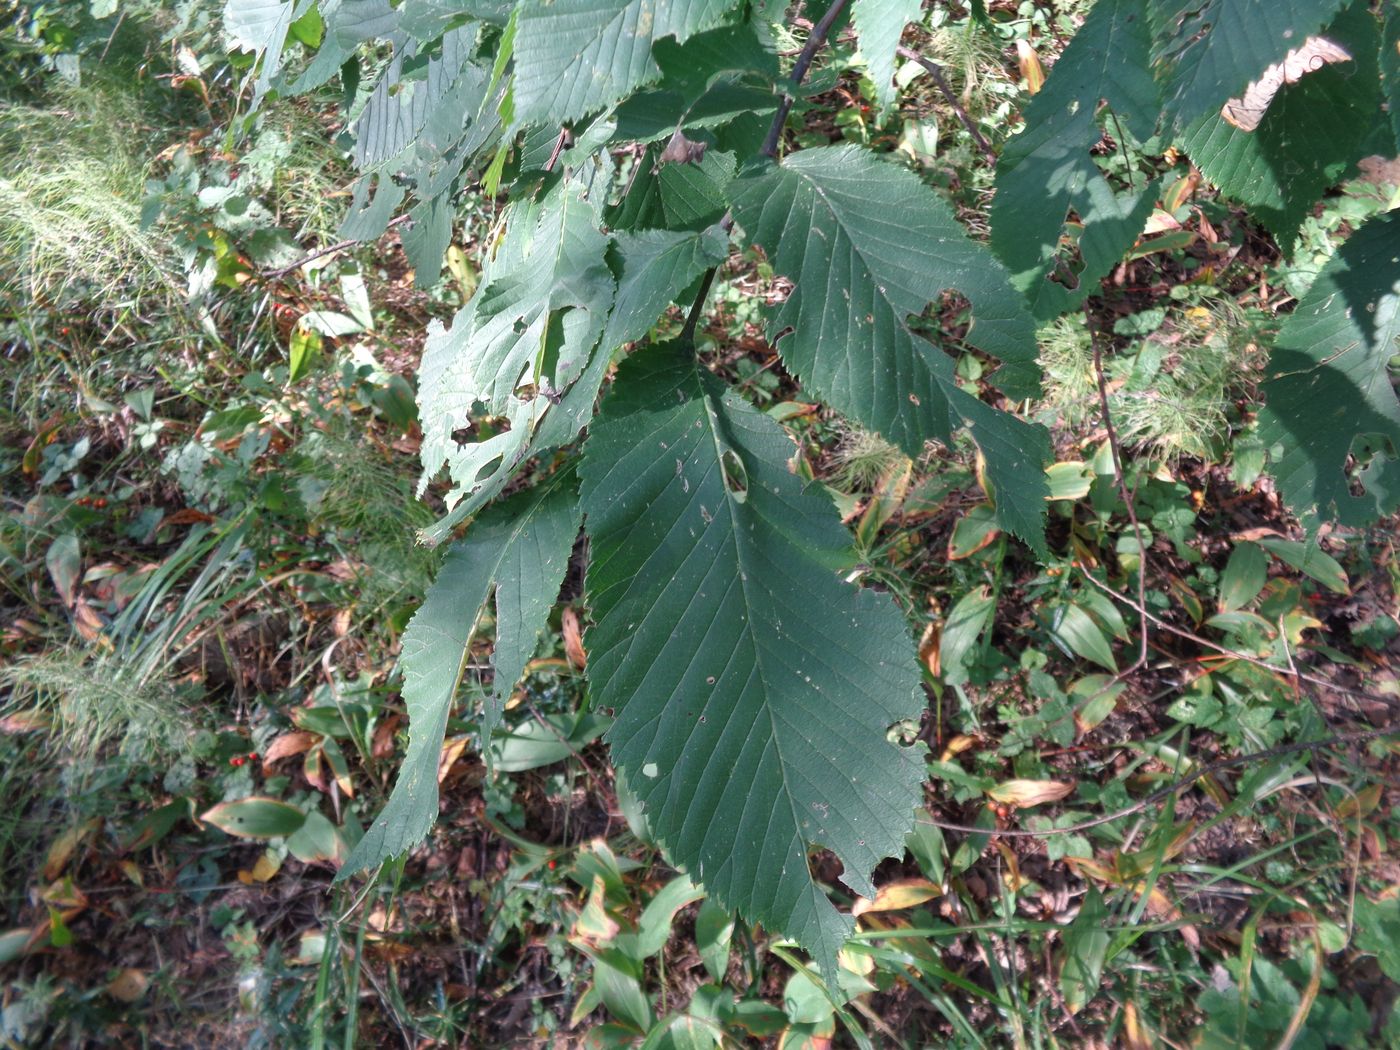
column 236, row 760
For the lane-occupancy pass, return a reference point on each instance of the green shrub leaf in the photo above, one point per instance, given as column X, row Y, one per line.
column 752, row 687
column 880, row 24
column 1330, row 395
column 1046, row 171
column 522, row 549
column 526, row 336
column 574, row 57
column 868, row 247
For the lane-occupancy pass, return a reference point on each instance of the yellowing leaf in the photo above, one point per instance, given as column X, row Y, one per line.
column 897, row 895
column 956, row 746
column 595, row 925
column 573, row 640
column 1024, row 793
column 451, row 752
column 1160, row 222
column 1032, row 72
column 264, row 868
column 928, row 647
column 63, row 846
column 129, row 986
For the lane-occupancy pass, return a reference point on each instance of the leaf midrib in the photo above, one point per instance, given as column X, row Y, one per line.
column 744, row 570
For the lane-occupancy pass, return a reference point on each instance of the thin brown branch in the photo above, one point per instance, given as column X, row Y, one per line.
column 770, row 147
column 327, row 250
column 934, row 70
column 1117, row 451
column 799, row 74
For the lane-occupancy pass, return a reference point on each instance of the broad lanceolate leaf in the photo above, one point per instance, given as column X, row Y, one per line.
column 869, row 247
column 521, row 548
column 1208, row 51
column 655, row 266
column 260, row 26
column 348, row 24
column 1331, row 391
column 1312, row 132
column 1046, row 171
column 707, row 82
column 526, row 336
column 880, row 24
column 574, row 57
column 752, row 686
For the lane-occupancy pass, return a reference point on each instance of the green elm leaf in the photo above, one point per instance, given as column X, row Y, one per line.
column 526, row 337
column 260, row 26
column 574, row 57
column 348, row 24
column 752, row 686
column 880, row 24
column 1046, row 171
column 656, row 266
column 1332, row 418
column 1208, row 51
column 1312, row 133
column 1390, row 67
column 521, row 548
column 868, row 247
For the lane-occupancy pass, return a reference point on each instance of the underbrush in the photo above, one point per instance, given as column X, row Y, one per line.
column 1161, row 775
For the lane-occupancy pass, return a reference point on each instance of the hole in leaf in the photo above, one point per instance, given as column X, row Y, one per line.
column 736, row 477
column 488, row 469
column 479, row 430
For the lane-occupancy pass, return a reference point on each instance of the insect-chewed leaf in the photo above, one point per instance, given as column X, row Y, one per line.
column 521, row 548
column 868, row 247
column 1316, row 52
column 260, row 26
column 1330, row 395
column 1317, row 127
column 573, row 57
column 752, row 686
column 1047, row 171
column 514, row 352
column 1207, row 51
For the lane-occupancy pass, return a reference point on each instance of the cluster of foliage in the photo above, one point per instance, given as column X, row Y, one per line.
column 755, row 690
column 1130, row 785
